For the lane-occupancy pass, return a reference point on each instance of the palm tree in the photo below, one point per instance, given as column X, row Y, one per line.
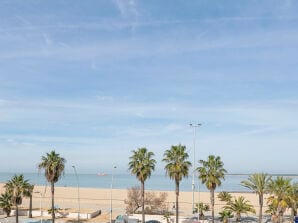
column 225, row 215
column 53, row 166
column 17, row 187
column 280, row 188
column 201, row 207
column 211, row 172
column 293, row 199
column 239, row 206
column 224, row 196
column 271, row 209
column 28, row 193
column 142, row 164
column 6, row 203
column 258, row 183
column 177, row 167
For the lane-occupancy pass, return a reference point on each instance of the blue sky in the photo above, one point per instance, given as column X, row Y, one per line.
column 95, row 80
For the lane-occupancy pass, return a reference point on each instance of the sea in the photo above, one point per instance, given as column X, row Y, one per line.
column 232, row 183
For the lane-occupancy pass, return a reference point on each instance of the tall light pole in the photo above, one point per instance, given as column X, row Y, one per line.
column 111, row 200
column 79, row 211
column 194, row 127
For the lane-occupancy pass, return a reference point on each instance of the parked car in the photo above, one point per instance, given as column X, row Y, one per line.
column 126, row 219
column 152, row 221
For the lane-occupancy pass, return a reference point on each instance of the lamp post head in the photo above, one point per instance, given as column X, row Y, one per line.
column 195, row 125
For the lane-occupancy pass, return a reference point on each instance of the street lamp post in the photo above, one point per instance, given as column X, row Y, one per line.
column 194, row 126
column 111, row 200
column 79, row 211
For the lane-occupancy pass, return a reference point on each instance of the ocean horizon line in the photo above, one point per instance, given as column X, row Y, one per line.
column 232, row 182
column 242, row 173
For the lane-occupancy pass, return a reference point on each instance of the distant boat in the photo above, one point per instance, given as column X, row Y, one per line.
column 102, row 174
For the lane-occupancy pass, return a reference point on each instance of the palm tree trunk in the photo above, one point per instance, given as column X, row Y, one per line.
column 292, row 213
column 53, row 204
column 177, row 201
column 8, row 213
column 281, row 217
column 17, row 213
column 260, row 214
column 30, row 207
column 261, row 208
column 212, row 203
column 143, row 202
column 238, row 217
column 294, row 209
column 280, row 212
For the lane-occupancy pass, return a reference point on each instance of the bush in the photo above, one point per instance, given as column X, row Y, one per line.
column 155, row 203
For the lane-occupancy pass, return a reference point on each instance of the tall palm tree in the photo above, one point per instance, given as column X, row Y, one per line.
column 142, row 164
column 17, row 186
column 53, row 165
column 28, row 193
column 211, row 172
column 258, row 183
column 6, row 203
column 239, row 206
column 280, row 188
column 177, row 167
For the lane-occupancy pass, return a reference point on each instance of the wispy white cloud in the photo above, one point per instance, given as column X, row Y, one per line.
column 47, row 39
column 128, row 9
column 104, row 98
column 24, row 22
column 247, row 118
column 146, row 48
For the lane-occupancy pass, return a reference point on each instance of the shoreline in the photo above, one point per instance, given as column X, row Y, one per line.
column 153, row 190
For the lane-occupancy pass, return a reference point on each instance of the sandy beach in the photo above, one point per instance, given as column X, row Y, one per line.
column 92, row 199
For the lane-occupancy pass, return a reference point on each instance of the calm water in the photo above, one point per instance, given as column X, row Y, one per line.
column 123, row 181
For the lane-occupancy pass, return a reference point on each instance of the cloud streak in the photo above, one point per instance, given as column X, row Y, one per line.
column 256, row 118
